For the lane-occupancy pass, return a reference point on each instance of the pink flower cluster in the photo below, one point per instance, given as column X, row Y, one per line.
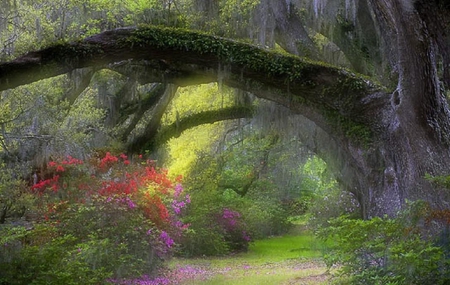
column 230, row 216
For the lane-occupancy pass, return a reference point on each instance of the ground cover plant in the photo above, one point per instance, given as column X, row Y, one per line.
column 96, row 222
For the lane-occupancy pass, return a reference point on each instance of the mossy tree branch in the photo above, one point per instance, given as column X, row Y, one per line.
column 179, row 53
column 185, row 58
column 138, row 109
column 152, row 127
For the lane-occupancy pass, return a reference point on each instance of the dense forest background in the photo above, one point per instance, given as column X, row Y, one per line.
column 193, row 127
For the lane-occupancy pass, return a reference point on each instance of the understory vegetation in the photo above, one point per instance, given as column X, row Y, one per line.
column 115, row 219
column 412, row 248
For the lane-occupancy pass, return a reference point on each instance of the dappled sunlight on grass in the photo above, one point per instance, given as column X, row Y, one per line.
column 291, row 259
column 285, row 247
column 270, row 273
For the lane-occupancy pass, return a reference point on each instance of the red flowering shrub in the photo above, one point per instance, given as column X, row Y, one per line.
column 109, row 213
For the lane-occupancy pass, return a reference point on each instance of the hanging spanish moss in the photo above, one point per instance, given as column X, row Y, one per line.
column 270, row 117
column 349, row 29
column 223, row 71
column 262, row 28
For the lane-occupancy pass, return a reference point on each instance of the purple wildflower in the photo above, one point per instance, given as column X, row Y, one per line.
column 166, row 239
column 245, row 236
column 177, row 206
column 130, row 203
column 178, row 190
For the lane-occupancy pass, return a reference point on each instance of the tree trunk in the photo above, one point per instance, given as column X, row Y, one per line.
column 415, row 125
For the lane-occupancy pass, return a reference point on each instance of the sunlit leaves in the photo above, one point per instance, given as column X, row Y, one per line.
column 184, row 150
column 191, row 100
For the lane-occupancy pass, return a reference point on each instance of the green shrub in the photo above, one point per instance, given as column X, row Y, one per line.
column 217, row 225
column 266, row 218
column 331, row 204
column 386, row 250
column 213, row 228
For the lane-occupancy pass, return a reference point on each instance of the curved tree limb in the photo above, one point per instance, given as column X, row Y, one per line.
column 182, row 55
column 80, row 80
column 290, row 33
column 175, row 129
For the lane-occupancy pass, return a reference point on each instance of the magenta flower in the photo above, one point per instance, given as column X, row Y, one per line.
column 178, row 190
column 166, row 239
column 131, row 204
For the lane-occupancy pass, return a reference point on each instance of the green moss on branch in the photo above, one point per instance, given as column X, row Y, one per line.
column 291, row 68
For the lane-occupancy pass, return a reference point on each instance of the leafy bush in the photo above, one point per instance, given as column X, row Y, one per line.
column 331, row 204
column 15, row 199
column 387, row 251
column 216, row 226
column 108, row 218
column 265, row 217
column 203, row 237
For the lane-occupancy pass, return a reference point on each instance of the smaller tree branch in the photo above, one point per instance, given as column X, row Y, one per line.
column 175, row 129
column 290, row 32
column 153, row 125
column 80, row 80
column 138, row 109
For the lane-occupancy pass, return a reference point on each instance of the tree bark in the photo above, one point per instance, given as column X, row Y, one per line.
column 415, row 139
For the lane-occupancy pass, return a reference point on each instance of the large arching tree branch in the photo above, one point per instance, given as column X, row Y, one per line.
column 179, row 56
column 340, row 103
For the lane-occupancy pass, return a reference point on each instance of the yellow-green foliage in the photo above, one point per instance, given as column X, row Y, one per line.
column 29, row 25
column 234, row 7
column 194, row 99
column 317, row 175
column 183, row 151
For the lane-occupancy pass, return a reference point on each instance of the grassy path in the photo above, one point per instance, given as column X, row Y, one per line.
column 291, row 259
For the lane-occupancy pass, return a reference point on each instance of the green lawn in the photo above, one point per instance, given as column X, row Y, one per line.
column 291, row 259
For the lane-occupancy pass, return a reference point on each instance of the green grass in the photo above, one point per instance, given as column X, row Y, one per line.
column 257, row 276
column 283, row 248
column 277, row 260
